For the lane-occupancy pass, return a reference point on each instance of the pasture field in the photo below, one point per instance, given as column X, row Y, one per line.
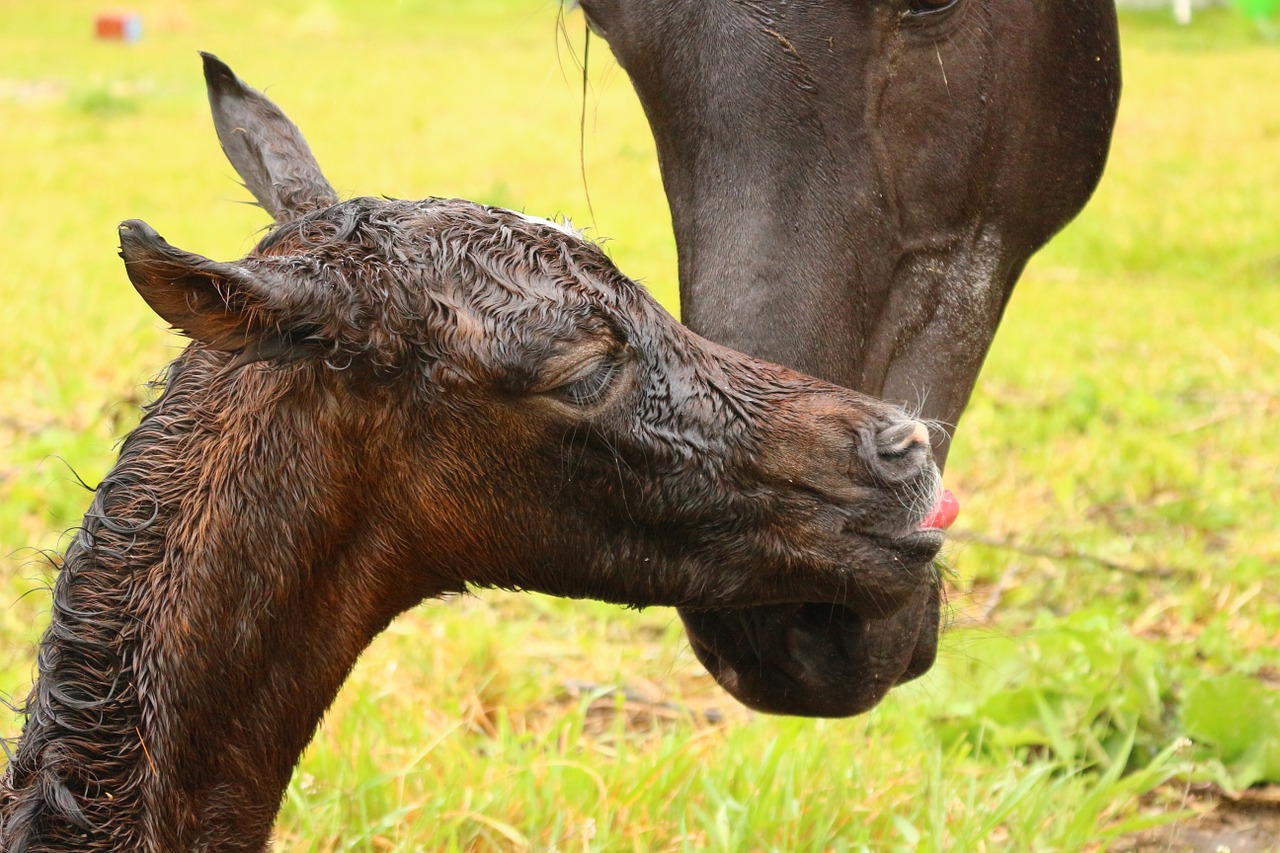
column 1112, row 671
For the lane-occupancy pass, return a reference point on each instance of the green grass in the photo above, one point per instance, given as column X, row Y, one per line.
column 1119, row 465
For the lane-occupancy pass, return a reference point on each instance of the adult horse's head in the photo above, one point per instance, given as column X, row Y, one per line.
column 855, row 187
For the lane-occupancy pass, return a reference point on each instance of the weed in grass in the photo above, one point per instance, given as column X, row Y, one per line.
column 104, row 102
column 1238, row 718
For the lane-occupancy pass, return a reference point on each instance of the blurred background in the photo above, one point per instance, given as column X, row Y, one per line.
column 1111, row 676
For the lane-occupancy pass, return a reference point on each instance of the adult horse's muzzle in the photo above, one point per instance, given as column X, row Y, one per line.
column 829, row 659
column 815, row 660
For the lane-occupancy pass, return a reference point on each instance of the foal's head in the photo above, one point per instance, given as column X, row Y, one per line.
column 527, row 417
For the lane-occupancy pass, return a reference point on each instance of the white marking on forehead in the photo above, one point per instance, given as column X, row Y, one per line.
column 565, row 227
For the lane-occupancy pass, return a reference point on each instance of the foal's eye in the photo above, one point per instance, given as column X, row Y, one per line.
column 920, row 8
column 594, row 385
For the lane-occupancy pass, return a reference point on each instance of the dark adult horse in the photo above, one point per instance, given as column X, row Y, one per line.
column 856, row 186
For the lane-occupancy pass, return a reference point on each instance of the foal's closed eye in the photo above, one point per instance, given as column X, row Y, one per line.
column 592, row 386
column 924, row 8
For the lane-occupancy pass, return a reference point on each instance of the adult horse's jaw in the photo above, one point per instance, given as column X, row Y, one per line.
column 855, row 189
column 822, row 660
column 814, row 660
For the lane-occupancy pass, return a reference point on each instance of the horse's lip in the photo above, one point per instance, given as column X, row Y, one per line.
column 917, row 539
column 913, row 555
column 931, row 537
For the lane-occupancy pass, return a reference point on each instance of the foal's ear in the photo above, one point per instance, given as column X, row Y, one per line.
column 220, row 304
column 264, row 146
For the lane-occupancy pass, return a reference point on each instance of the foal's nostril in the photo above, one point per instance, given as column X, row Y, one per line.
column 901, row 438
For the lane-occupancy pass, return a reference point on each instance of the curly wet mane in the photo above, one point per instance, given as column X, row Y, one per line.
column 408, row 269
column 79, row 765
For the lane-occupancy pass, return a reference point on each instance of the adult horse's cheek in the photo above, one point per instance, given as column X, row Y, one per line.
column 931, row 124
column 1047, row 82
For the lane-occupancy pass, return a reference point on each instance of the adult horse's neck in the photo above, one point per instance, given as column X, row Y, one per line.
column 206, row 613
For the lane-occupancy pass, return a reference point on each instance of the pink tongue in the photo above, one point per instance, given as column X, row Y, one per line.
column 944, row 512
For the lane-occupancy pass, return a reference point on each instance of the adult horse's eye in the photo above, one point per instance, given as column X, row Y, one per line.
column 920, row 8
column 592, row 386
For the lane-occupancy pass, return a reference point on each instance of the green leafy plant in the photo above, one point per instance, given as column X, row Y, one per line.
column 1237, row 719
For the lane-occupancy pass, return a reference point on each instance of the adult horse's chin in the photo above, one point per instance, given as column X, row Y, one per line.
column 814, row 660
column 828, row 659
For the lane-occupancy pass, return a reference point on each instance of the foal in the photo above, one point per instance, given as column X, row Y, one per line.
column 392, row 400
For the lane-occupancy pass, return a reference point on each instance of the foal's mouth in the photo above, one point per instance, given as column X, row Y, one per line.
column 933, row 524
column 920, row 528
column 877, row 587
column 839, row 652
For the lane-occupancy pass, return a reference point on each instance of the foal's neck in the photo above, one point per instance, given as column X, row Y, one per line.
column 222, row 586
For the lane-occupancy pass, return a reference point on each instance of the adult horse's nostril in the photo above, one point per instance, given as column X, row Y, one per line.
column 901, row 438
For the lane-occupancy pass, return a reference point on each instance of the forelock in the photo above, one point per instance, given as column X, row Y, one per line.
column 426, row 278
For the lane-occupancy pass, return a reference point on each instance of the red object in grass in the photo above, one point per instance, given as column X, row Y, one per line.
column 944, row 512
column 118, row 26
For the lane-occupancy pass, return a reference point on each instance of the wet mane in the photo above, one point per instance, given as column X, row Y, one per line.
column 410, row 268
column 80, row 761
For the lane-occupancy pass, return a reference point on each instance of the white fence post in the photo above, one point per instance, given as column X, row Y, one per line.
column 1182, row 11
